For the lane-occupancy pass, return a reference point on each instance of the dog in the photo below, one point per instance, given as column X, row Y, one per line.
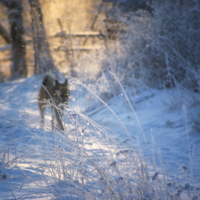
column 57, row 93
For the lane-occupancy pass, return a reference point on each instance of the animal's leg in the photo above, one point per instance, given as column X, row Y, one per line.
column 58, row 118
column 52, row 117
column 42, row 112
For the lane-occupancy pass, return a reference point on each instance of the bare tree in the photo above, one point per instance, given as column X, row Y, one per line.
column 16, row 31
column 43, row 59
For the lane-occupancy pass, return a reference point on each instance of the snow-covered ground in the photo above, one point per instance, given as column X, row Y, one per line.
column 163, row 120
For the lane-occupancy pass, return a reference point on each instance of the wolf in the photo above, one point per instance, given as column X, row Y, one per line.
column 57, row 93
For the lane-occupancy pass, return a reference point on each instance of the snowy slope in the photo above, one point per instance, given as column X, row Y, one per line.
column 165, row 125
column 167, row 129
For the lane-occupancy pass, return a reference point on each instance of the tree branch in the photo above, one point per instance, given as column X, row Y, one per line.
column 4, row 3
column 5, row 34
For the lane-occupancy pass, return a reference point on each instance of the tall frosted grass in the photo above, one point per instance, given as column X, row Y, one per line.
column 86, row 161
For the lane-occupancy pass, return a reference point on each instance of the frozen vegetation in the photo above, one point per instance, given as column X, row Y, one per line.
column 131, row 132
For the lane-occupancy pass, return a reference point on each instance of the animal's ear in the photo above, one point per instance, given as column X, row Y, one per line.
column 45, row 81
column 57, row 83
column 66, row 82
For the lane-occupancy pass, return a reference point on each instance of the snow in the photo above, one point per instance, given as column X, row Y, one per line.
column 167, row 129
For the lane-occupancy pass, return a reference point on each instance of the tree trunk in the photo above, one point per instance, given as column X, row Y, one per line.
column 16, row 32
column 43, row 59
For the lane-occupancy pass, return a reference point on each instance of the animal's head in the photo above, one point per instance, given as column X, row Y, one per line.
column 62, row 91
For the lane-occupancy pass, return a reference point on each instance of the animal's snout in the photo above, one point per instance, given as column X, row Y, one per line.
column 64, row 99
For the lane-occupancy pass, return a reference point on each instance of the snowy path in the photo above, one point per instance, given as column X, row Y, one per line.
column 167, row 126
